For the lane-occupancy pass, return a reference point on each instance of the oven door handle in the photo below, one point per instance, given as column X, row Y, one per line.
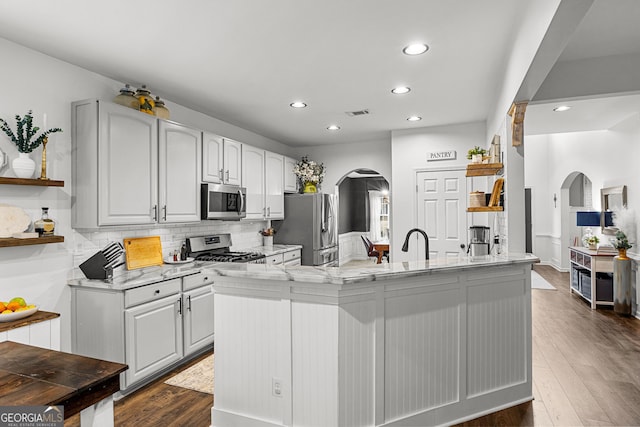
column 241, row 207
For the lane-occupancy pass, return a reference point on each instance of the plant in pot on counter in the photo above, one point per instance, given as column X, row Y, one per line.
column 268, row 231
column 591, row 241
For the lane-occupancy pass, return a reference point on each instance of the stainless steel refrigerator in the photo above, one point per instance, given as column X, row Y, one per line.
column 310, row 220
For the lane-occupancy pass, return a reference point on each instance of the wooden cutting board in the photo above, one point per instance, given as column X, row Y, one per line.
column 143, row 252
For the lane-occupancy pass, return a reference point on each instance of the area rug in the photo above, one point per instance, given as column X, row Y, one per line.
column 198, row 377
column 539, row 282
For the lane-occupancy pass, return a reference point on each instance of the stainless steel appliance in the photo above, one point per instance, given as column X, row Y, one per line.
column 311, row 220
column 216, row 248
column 223, row 201
column 479, row 240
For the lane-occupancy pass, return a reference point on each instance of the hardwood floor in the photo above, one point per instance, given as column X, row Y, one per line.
column 586, row 364
column 161, row 405
column 586, row 371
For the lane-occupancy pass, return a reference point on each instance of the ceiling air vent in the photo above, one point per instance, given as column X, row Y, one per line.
column 357, row 113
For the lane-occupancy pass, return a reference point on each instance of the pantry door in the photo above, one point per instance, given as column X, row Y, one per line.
column 442, row 212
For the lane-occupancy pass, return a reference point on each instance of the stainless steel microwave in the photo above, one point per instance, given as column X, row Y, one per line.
column 222, row 201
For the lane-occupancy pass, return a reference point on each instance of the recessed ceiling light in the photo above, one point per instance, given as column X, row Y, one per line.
column 415, row 49
column 414, row 118
column 298, row 104
column 562, row 108
column 333, row 127
column 400, row 90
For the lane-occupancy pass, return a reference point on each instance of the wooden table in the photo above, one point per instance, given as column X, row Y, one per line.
column 381, row 247
column 35, row 376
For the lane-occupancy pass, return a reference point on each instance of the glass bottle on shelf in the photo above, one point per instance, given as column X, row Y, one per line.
column 127, row 98
column 160, row 109
column 147, row 103
column 44, row 226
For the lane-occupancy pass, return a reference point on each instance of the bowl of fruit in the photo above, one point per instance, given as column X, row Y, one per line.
column 16, row 309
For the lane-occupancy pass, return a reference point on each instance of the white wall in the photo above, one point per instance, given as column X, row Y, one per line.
column 409, row 150
column 39, row 273
column 608, row 158
column 340, row 159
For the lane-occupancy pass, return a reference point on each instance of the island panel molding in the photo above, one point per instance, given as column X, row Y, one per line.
column 423, row 346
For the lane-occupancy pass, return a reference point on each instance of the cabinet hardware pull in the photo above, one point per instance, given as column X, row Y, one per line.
column 227, row 175
column 222, row 175
column 189, row 303
column 157, row 292
column 164, row 208
column 155, row 212
column 205, row 278
column 179, row 305
column 269, row 211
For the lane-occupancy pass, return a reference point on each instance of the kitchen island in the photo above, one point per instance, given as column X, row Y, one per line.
column 412, row 343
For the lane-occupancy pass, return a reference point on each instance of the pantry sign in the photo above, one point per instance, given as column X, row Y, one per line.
column 441, row 155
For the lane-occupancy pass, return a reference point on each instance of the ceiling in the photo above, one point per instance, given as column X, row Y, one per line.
column 245, row 61
column 609, row 29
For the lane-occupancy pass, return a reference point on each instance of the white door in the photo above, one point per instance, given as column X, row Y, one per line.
column 253, row 181
column 274, row 185
column 127, row 166
column 198, row 318
column 442, row 213
column 212, row 167
column 232, row 162
column 179, row 173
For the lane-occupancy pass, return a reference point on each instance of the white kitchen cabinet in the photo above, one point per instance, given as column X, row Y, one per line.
column 153, row 333
column 197, row 297
column 119, row 176
column 221, row 159
column 290, row 178
column 198, row 318
column 179, row 173
column 151, row 328
column 292, row 257
column 262, row 176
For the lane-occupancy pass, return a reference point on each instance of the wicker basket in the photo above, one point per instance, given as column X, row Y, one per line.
column 477, row 199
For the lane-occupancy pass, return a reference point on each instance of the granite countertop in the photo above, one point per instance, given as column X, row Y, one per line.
column 375, row 272
column 124, row 280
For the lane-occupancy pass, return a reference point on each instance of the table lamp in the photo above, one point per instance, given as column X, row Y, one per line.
column 587, row 219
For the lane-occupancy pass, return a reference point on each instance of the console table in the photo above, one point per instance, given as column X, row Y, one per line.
column 585, row 264
column 33, row 376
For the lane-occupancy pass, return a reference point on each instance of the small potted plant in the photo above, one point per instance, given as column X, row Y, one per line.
column 591, row 241
column 26, row 141
column 267, row 236
column 621, row 243
column 475, row 154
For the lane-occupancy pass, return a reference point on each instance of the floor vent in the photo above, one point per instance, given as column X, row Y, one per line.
column 357, row 113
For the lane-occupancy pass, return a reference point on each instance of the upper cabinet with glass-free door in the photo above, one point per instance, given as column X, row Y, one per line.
column 221, row 159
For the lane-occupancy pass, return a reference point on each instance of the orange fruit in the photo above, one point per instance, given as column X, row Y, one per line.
column 13, row 306
column 3, row 307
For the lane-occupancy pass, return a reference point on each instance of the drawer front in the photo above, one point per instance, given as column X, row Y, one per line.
column 291, row 255
column 151, row 292
column 196, row 280
column 273, row 259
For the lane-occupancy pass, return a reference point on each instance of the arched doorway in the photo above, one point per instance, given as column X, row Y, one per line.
column 363, row 209
column 576, row 193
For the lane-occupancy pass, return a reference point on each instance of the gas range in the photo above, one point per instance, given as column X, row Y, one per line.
column 216, row 248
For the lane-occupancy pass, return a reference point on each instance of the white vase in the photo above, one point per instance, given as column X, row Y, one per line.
column 23, row 166
column 267, row 241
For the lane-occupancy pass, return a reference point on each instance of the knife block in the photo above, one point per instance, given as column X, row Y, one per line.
column 94, row 267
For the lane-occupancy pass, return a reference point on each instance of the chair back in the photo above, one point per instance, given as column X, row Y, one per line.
column 369, row 247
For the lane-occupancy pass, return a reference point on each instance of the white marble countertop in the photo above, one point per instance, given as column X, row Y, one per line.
column 270, row 250
column 374, row 272
column 124, row 280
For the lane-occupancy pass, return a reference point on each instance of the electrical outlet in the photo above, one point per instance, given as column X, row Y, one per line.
column 276, row 387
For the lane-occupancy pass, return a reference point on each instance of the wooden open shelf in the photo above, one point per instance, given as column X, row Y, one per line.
column 486, row 209
column 11, row 241
column 480, row 169
column 30, row 181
